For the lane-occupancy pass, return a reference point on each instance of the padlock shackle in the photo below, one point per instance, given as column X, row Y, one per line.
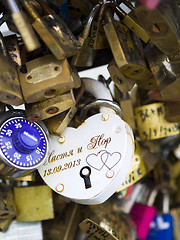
column 90, row 20
column 100, row 103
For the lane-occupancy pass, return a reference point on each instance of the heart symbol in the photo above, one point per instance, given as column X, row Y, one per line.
column 95, row 160
column 112, row 159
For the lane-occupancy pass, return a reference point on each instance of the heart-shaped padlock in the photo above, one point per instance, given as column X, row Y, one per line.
column 88, row 164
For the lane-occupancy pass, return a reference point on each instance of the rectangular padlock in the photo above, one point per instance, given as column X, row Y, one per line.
column 53, row 31
column 10, row 92
column 124, row 84
column 46, row 77
column 33, row 203
column 12, row 46
column 143, row 215
column 65, row 225
column 162, row 25
column 7, row 203
column 131, row 21
column 24, row 27
column 127, row 55
column 50, row 107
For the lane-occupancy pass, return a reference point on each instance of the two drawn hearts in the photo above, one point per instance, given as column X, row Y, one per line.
column 103, row 158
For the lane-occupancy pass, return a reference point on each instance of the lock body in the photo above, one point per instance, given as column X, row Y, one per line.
column 46, row 77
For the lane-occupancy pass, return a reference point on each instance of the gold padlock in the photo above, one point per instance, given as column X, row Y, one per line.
column 53, row 31
column 151, row 122
column 124, row 84
column 86, row 55
column 11, row 42
column 127, row 110
column 127, row 55
column 57, row 124
column 50, row 107
column 46, row 77
column 7, row 203
column 33, row 203
column 24, row 27
column 172, row 112
column 162, row 25
column 4, row 224
column 10, row 92
column 131, row 21
column 65, row 225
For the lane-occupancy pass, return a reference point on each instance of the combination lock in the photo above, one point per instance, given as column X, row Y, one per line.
column 23, row 144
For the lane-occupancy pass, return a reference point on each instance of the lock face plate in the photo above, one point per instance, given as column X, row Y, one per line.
column 103, row 145
column 23, row 144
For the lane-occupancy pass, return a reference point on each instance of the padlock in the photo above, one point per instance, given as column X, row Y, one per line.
column 23, row 231
column 45, row 77
column 7, row 203
column 33, row 203
column 12, row 46
column 124, row 84
column 50, row 107
column 91, row 182
column 172, row 113
column 161, row 25
column 127, row 109
column 176, row 222
column 86, row 55
column 57, row 124
column 4, row 224
column 151, row 123
column 127, row 55
column 143, row 215
column 65, row 224
column 165, row 71
column 24, row 27
column 162, row 225
column 105, row 221
column 10, row 91
column 54, row 32
column 23, row 145
column 137, row 171
column 131, row 21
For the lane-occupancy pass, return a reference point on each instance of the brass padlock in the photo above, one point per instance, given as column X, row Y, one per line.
column 172, row 112
column 86, row 55
column 7, row 203
column 4, row 223
column 50, row 107
column 24, row 27
column 12, row 46
column 124, row 84
column 57, row 124
column 162, row 25
column 131, row 21
column 127, row 55
column 165, row 71
column 10, row 91
column 46, row 77
column 33, row 203
column 64, row 225
column 127, row 109
column 53, row 31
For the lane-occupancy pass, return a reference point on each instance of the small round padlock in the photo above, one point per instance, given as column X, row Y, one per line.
column 23, row 145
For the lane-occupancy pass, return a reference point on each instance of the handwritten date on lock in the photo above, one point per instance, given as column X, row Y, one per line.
column 63, row 167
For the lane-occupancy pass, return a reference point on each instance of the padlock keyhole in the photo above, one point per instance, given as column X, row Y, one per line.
column 85, row 174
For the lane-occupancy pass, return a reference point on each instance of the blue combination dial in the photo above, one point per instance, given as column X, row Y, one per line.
column 23, row 144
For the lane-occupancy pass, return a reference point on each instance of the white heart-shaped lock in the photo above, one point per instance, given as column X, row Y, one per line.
column 90, row 146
